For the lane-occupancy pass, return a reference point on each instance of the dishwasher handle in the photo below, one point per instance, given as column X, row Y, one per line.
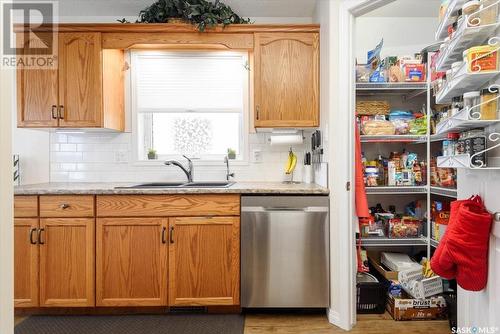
column 284, row 209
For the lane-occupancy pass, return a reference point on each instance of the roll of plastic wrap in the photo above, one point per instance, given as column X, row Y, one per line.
column 286, row 140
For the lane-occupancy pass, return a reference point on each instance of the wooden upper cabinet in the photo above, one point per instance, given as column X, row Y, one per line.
column 36, row 93
column 286, row 79
column 72, row 96
column 67, row 262
column 80, row 79
column 204, row 261
column 131, row 262
column 25, row 262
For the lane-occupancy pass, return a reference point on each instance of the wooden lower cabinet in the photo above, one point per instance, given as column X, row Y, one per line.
column 204, row 261
column 25, row 262
column 131, row 262
column 67, row 261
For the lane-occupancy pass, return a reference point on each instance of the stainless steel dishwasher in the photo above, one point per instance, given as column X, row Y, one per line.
column 284, row 251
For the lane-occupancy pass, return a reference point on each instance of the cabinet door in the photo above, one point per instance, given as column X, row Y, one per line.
column 286, row 80
column 67, row 260
column 25, row 262
column 36, row 93
column 80, row 79
column 204, row 261
column 132, row 262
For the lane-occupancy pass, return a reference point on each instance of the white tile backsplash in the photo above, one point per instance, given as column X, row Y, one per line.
column 108, row 157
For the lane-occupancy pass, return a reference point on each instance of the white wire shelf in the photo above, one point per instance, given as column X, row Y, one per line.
column 396, row 190
column 454, row 161
column 448, row 18
column 465, row 37
column 447, row 192
column 388, row 242
column 462, row 121
column 462, row 161
column 436, row 137
column 434, row 243
column 463, row 82
column 394, row 139
column 388, row 86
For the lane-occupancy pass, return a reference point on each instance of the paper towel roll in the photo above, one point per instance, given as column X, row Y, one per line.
column 286, row 140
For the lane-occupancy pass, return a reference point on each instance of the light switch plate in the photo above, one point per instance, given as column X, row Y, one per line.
column 256, row 157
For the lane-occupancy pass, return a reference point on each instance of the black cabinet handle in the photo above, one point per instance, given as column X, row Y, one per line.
column 258, row 112
column 32, row 236
column 164, row 235
column 54, row 111
column 171, row 234
column 60, row 113
column 40, row 240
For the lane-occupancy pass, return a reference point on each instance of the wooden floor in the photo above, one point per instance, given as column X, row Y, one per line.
column 318, row 324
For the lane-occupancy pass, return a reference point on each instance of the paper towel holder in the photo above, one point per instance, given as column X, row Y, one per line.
column 296, row 133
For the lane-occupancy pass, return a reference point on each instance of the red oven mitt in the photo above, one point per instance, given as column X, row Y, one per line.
column 463, row 252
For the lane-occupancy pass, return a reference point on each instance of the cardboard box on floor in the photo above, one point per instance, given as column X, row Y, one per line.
column 374, row 258
column 407, row 308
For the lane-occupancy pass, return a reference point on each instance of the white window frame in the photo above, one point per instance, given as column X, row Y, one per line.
column 133, row 100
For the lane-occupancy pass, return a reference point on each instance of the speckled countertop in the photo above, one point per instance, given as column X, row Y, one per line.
column 77, row 188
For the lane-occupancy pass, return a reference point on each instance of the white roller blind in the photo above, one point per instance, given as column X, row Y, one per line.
column 194, row 81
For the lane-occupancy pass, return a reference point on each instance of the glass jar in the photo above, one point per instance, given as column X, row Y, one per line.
column 445, row 148
column 456, row 105
column 469, row 8
column 452, row 143
column 472, row 99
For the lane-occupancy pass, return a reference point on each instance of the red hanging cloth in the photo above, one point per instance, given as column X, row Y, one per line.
column 362, row 210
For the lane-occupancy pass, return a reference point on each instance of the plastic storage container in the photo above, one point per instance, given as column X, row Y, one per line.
column 472, row 99
column 482, row 59
column 451, row 302
column 489, row 13
column 371, row 298
column 489, row 110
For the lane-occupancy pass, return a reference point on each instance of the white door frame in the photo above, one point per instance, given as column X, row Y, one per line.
column 6, row 203
column 342, row 312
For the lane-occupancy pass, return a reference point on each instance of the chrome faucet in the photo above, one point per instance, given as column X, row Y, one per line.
column 228, row 174
column 189, row 171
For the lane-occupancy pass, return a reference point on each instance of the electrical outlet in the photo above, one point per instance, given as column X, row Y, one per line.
column 256, row 157
column 121, row 156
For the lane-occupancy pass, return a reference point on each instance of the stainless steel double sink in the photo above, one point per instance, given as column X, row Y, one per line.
column 157, row 185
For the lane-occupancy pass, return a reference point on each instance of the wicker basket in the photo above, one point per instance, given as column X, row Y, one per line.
column 372, row 108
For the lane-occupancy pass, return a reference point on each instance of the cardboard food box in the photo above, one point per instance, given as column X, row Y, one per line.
column 374, row 258
column 407, row 308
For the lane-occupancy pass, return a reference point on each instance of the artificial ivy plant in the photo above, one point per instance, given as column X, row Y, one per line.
column 201, row 13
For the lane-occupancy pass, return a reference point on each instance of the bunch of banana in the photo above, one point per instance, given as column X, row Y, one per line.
column 291, row 163
column 426, row 268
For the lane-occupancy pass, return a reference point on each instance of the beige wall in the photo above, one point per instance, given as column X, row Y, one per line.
column 6, row 211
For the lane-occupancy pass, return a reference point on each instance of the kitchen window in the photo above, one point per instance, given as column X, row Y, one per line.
column 190, row 103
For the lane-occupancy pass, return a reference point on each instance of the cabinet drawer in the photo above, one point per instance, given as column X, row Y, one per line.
column 66, row 206
column 167, row 205
column 25, row 206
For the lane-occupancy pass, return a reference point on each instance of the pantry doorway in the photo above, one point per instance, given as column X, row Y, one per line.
column 339, row 90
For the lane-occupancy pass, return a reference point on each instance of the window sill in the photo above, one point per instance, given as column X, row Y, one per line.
column 196, row 163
